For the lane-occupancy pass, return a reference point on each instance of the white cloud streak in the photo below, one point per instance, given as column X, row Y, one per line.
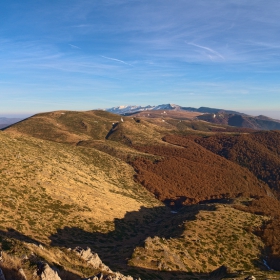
column 74, row 47
column 115, row 59
column 208, row 49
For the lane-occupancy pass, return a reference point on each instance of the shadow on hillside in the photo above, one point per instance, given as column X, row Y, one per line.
column 115, row 248
column 14, row 234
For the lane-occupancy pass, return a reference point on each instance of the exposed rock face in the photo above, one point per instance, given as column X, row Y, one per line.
column 250, row 278
column 22, row 274
column 2, row 277
column 46, row 272
column 114, row 276
column 92, row 259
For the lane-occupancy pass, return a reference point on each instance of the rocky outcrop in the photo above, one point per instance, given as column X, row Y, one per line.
column 113, row 276
column 22, row 274
column 250, row 278
column 92, row 259
column 46, row 272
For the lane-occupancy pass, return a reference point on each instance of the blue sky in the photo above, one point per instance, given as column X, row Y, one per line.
column 88, row 54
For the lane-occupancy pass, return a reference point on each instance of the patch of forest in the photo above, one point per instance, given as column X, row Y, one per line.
column 258, row 152
column 191, row 174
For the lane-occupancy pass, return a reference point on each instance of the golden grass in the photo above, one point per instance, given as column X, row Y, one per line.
column 46, row 186
column 213, row 239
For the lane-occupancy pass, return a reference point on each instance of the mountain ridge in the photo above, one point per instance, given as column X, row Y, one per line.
column 130, row 109
column 212, row 115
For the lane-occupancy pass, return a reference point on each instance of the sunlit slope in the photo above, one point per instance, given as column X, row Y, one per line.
column 67, row 126
column 76, row 127
column 47, row 185
column 217, row 235
column 88, row 127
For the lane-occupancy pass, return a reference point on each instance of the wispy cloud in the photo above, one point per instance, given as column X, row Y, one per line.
column 82, row 25
column 115, row 59
column 207, row 49
column 74, row 47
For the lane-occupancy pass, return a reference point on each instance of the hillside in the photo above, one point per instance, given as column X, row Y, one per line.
column 259, row 152
column 67, row 126
column 47, row 186
column 150, row 195
column 239, row 120
column 193, row 174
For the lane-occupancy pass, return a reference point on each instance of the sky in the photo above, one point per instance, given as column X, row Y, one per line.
column 89, row 54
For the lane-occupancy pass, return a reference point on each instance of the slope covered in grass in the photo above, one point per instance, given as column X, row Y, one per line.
column 216, row 236
column 47, row 185
column 67, row 126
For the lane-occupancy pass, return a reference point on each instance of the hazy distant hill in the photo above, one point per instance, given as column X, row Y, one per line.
column 4, row 122
column 238, row 120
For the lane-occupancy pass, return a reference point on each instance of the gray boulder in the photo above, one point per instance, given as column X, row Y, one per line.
column 46, row 272
column 113, row 276
column 92, row 259
column 251, row 278
column 22, row 274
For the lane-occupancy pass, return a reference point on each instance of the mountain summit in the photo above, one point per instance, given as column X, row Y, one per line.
column 131, row 109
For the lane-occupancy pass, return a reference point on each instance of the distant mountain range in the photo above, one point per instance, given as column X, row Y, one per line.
column 212, row 115
column 238, row 120
column 4, row 122
column 128, row 110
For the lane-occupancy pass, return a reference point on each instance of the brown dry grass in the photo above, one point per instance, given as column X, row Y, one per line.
column 10, row 267
column 213, row 239
column 181, row 115
column 46, row 186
